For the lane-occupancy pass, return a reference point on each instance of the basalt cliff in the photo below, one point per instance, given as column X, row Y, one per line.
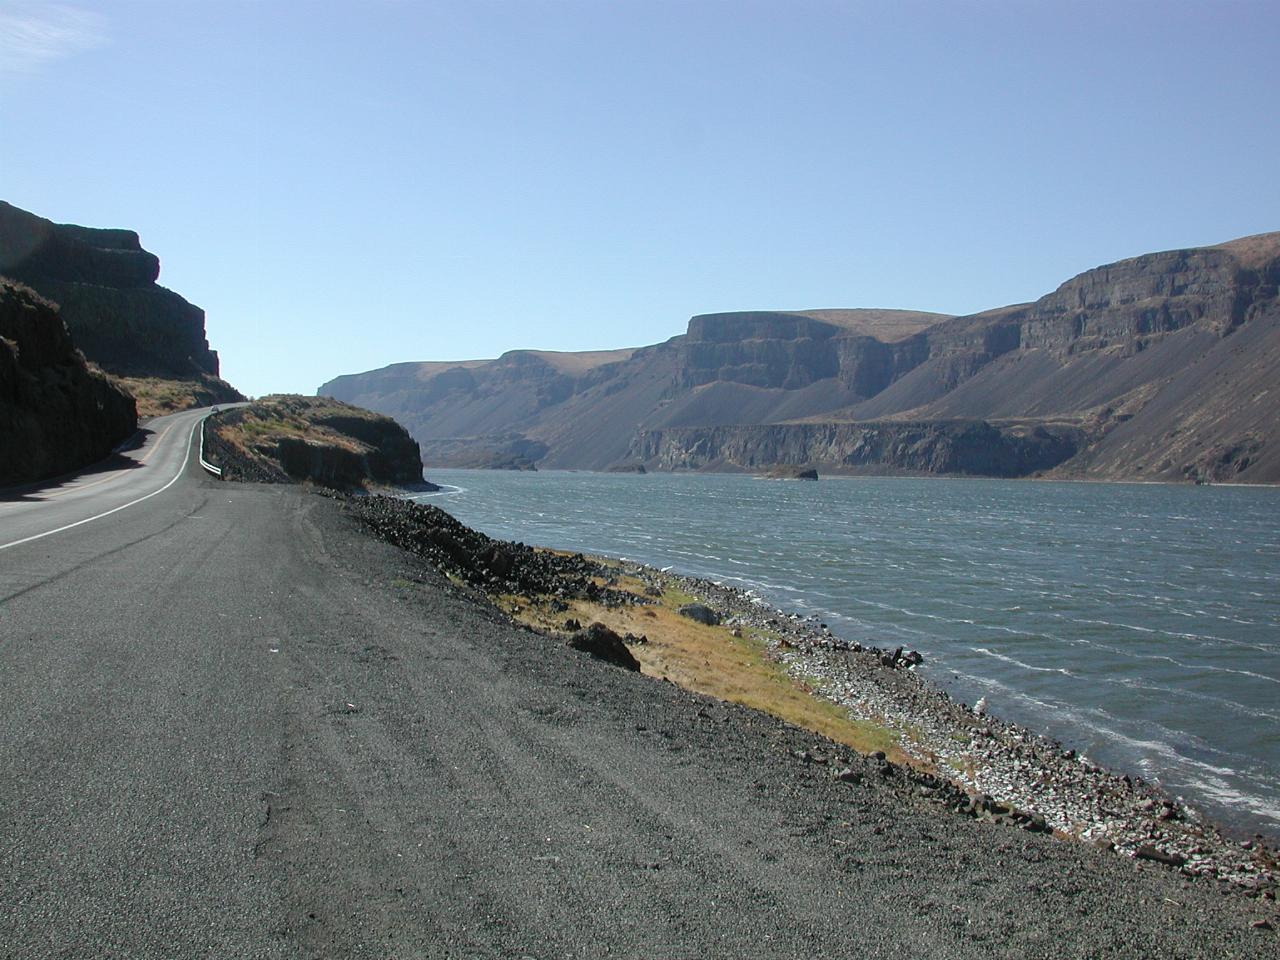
column 117, row 315
column 57, row 412
column 1160, row 367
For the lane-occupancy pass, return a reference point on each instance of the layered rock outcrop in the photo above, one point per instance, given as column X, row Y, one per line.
column 581, row 410
column 1156, row 367
column 105, row 284
column 56, row 413
column 292, row 439
column 971, row 448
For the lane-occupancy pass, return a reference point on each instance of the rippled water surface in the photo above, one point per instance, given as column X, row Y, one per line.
column 1137, row 623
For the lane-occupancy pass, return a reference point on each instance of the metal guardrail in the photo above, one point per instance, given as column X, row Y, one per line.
column 216, row 471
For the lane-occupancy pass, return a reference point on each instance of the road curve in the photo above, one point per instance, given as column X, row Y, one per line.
column 147, row 464
column 233, row 726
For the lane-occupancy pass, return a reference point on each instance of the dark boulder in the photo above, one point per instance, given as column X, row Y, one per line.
column 499, row 561
column 1153, row 853
column 901, row 657
column 701, row 613
column 603, row 644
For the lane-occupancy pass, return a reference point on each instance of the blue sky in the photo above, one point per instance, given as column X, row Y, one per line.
column 345, row 185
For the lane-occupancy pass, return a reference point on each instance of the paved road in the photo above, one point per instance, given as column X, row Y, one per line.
column 230, row 726
column 147, row 464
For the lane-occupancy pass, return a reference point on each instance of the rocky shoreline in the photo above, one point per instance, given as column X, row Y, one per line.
column 966, row 762
column 991, row 768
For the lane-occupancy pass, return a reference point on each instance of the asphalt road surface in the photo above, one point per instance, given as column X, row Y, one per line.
column 231, row 725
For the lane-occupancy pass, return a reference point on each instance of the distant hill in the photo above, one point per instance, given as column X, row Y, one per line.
column 1157, row 367
column 582, row 410
column 118, row 316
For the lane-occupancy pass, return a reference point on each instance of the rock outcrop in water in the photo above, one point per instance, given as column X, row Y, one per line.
column 1158, row 367
column 56, row 413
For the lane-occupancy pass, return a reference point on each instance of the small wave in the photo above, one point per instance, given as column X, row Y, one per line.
column 1188, row 666
column 1110, row 623
column 1164, row 690
column 446, row 490
column 1168, row 633
column 1228, row 796
column 910, row 613
column 1025, row 666
column 1006, row 693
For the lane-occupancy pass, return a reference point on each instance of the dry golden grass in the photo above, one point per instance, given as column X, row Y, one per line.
column 582, row 361
column 157, row 396
column 1254, row 251
column 254, row 430
column 887, row 326
column 712, row 661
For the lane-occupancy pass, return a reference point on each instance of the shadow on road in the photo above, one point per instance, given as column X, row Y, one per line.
column 41, row 490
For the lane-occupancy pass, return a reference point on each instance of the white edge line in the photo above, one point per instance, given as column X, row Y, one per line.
column 124, row 506
column 216, row 471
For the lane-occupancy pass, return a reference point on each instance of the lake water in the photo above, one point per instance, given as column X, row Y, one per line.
column 1139, row 624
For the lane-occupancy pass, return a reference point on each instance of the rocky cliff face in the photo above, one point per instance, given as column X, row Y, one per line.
column 291, row 439
column 760, row 349
column 56, row 414
column 1144, row 296
column 1155, row 367
column 581, row 410
column 952, row 447
column 104, row 283
column 791, row 351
